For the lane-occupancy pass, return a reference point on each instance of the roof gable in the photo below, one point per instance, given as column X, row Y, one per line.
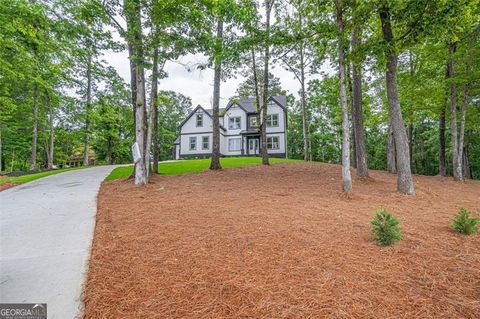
column 281, row 100
column 195, row 110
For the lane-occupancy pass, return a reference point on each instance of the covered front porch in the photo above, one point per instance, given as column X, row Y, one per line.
column 251, row 143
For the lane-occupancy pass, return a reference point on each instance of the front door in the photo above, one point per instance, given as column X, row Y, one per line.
column 253, row 145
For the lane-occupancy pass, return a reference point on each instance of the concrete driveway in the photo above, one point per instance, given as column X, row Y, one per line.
column 46, row 234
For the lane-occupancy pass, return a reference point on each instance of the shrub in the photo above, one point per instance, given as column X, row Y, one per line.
column 464, row 224
column 385, row 228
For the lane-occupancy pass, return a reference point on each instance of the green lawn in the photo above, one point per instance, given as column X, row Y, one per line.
column 195, row 166
column 31, row 177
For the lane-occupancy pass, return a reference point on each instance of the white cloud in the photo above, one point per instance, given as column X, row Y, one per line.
column 198, row 84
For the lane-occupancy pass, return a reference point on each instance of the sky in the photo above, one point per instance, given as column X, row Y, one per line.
column 198, row 85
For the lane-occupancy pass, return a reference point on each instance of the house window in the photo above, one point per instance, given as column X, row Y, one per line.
column 234, row 144
column 199, row 120
column 234, row 123
column 273, row 143
column 272, row 120
column 205, row 142
column 253, row 121
column 193, row 143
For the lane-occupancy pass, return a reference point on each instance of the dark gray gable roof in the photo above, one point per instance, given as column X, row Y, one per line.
column 245, row 103
column 249, row 106
column 281, row 101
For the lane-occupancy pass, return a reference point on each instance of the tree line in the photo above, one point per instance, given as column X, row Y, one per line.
column 402, row 92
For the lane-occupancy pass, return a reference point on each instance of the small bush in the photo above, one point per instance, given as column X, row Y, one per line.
column 464, row 224
column 385, row 228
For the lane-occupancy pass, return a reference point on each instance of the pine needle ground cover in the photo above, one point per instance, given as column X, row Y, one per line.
column 281, row 242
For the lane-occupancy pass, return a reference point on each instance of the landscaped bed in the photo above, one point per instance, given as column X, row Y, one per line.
column 281, row 242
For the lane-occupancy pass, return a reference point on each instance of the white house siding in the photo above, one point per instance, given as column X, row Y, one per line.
column 190, row 125
column 273, row 108
column 235, row 111
column 185, row 144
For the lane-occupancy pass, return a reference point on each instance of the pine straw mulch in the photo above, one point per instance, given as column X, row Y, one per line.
column 7, row 185
column 281, row 242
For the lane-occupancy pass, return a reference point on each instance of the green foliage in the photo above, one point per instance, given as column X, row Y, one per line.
column 385, row 228
column 173, row 108
column 464, row 224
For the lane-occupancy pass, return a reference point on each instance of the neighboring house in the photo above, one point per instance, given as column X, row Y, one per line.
column 239, row 131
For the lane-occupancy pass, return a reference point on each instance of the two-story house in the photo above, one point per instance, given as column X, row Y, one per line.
column 239, row 130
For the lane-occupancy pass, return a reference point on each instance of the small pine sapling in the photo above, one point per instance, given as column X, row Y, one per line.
column 385, row 228
column 464, row 224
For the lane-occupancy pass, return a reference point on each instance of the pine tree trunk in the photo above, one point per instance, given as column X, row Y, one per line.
column 215, row 162
column 467, row 171
column 132, row 10
column 357, row 114
column 457, row 170
column 442, row 163
column 346, row 176
column 391, row 152
column 255, row 81
column 306, row 156
column 461, row 137
column 348, row 74
column 155, row 110
column 133, row 89
column 263, row 135
column 33, row 161
column 410, row 144
column 404, row 174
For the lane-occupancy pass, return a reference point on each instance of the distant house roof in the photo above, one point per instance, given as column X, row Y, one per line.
column 177, row 141
column 248, row 104
column 281, row 100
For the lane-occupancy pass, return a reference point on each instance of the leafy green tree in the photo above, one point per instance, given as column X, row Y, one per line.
column 173, row 108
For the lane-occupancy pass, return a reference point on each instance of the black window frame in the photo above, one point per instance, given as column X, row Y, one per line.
column 192, row 138
column 270, row 142
column 199, row 116
column 203, row 142
column 230, row 127
column 270, row 120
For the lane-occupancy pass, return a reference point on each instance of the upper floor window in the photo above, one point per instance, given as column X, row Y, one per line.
column 273, row 143
column 234, row 123
column 193, row 143
column 272, row 120
column 199, row 120
column 205, row 142
column 253, row 121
